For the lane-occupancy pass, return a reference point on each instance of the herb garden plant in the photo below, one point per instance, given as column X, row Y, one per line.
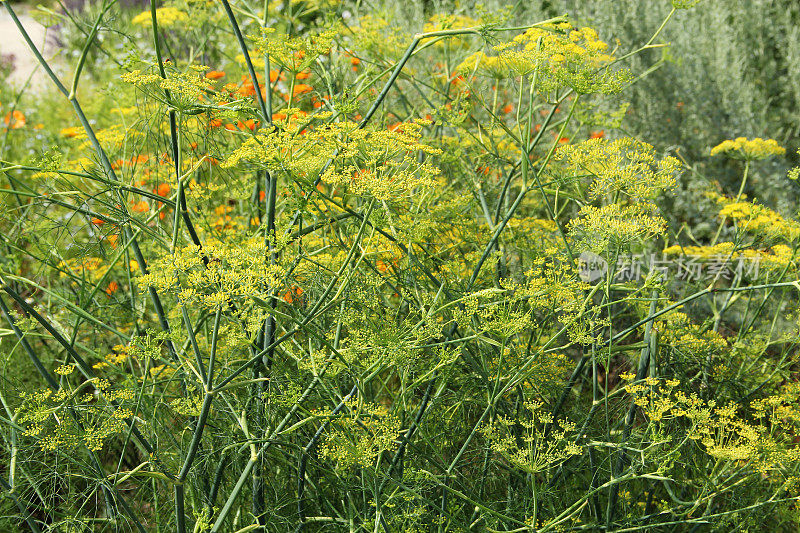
column 290, row 266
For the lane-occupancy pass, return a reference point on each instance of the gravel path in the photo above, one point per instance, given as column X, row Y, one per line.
column 13, row 46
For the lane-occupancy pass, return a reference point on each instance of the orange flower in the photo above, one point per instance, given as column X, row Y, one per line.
column 249, row 124
column 140, row 207
column 597, row 134
column 393, row 126
column 71, row 132
column 292, row 294
column 230, row 127
column 508, row 108
column 382, row 267
column 355, row 61
column 98, row 221
column 14, row 119
column 112, row 240
column 163, row 189
column 247, row 89
column 262, row 195
column 215, row 74
column 302, row 75
column 214, row 123
column 279, row 116
column 302, row 88
column 112, row 288
column 274, row 75
column 563, row 140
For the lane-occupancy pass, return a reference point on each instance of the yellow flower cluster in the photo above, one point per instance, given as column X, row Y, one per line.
column 292, row 53
column 186, row 88
column 599, row 227
column 560, row 54
column 41, row 415
column 369, row 162
column 119, row 355
column 677, row 330
column 166, row 17
column 749, row 149
column 543, row 444
column 93, row 268
column 624, row 165
column 111, row 138
column 379, row 38
column 775, row 258
column 360, row 436
column 757, row 219
column 723, row 433
column 235, row 271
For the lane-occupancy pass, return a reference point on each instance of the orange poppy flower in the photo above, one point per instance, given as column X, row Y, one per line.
column 249, row 124
column 292, row 294
column 71, row 132
column 215, row 74
column 302, row 75
column 140, row 207
column 302, row 88
column 14, row 119
column 508, row 108
column 215, row 123
column 98, row 221
column 112, row 288
column 163, row 189
column 597, row 134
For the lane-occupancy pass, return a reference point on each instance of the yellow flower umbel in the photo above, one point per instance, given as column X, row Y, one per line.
column 625, row 165
column 544, row 443
column 749, row 149
column 186, row 88
column 359, row 437
column 561, row 55
column 378, row 163
column 627, row 173
column 291, row 53
column 166, row 16
column 758, row 219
